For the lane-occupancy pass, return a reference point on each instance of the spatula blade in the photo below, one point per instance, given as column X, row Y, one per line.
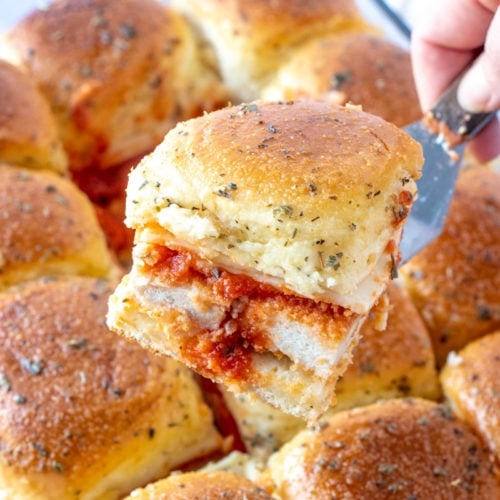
column 435, row 190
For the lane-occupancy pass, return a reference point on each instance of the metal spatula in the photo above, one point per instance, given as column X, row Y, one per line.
column 441, row 166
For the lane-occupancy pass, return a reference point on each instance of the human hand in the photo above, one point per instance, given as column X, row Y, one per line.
column 448, row 36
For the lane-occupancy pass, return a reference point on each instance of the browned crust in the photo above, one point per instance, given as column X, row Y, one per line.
column 281, row 17
column 77, row 399
column 251, row 39
column 73, row 377
column 46, row 219
column 283, row 142
column 316, row 157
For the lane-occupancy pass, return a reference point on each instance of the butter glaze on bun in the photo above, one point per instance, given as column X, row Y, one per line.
column 48, row 227
column 264, row 234
column 251, row 38
column 84, row 413
column 29, row 135
column 401, row 448
column 118, row 74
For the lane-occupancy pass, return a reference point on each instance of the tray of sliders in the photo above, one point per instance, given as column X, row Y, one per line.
column 201, row 293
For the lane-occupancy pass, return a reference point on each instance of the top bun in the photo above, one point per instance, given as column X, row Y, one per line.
column 28, row 131
column 308, row 196
column 118, row 75
column 251, row 38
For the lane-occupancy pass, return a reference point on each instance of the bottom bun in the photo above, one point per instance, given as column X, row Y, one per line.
column 170, row 320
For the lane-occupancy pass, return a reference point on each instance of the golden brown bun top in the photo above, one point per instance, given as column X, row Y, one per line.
column 455, row 281
column 285, row 189
column 287, row 144
column 201, row 485
column 70, row 387
column 248, row 16
column 28, row 131
column 109, row 70
column 411, row 448
column 46, row 219
column 352, row 67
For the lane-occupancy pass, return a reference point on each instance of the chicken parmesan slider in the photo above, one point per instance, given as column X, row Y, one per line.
column 264, row 233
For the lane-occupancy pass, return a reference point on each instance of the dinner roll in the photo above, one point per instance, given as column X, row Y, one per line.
column 401, row 448
column 28, row 131
column 252, row 38
column 47, row 227
column 455, row 281
column 392, row 360
column 265, row 232
column 201, row 485
column 85, row 414
column 471, row 385
column 361, row 68
column 118, row 75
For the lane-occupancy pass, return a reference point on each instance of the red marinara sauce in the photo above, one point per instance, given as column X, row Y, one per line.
column 228, row 349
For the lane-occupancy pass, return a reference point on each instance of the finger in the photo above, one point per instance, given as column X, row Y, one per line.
column 434, row 68
column 455, row 24
column 480, row 87
column 446, row 38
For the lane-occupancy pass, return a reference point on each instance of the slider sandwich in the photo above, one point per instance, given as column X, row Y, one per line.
column 264, row 233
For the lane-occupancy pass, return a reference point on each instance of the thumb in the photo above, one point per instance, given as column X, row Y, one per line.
column 479, row 89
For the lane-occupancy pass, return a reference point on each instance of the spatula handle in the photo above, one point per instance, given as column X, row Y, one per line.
column 460, row 122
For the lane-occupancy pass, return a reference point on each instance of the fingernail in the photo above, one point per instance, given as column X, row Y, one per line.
column 474, row 93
